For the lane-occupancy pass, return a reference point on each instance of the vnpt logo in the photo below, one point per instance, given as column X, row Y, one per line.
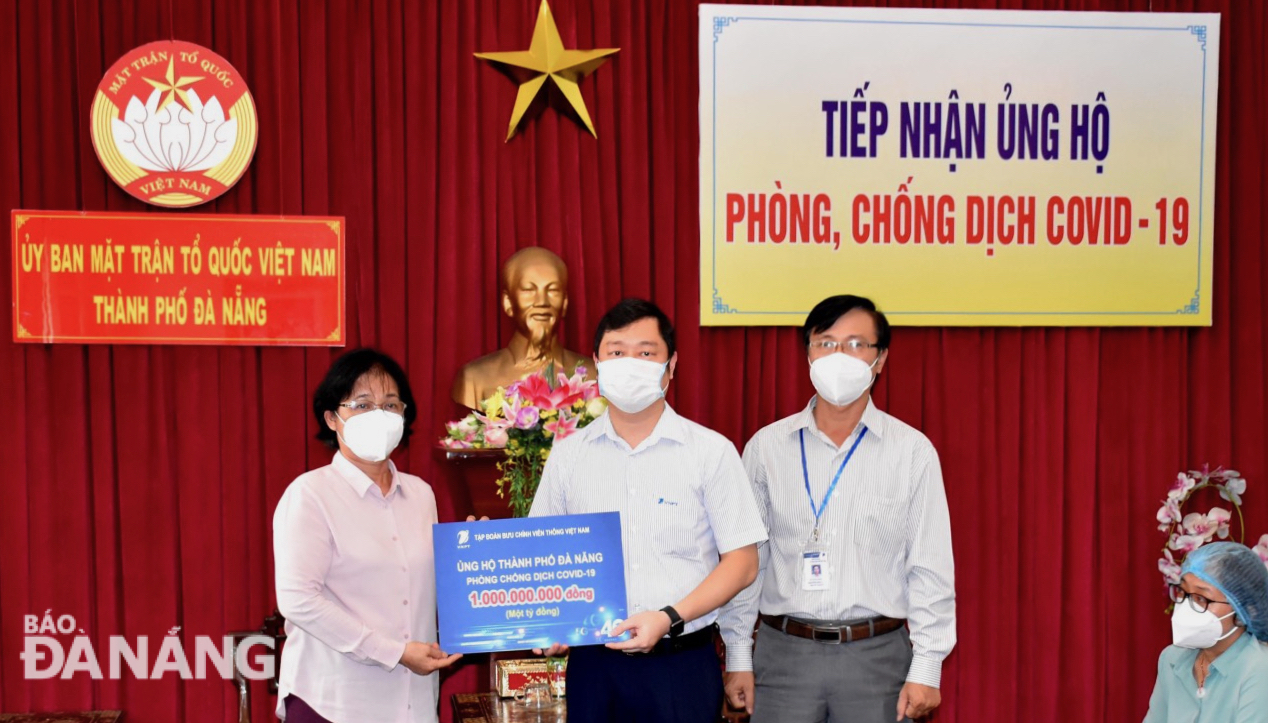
column 463, row 536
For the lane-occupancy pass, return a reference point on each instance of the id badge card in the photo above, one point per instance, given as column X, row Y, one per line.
column 815, row 574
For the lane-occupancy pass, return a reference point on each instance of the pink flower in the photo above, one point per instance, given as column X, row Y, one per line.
column 1168, row 513
column 532, row 390
column 1198, row 525
column 469, row 425
column 1181, row 487
column 537, row 391
column 511, row 403
column 494, row 430
column 1169, row 569
column 1233, row 489
column 1262, row 548
column 589, row 389
column 451, row 443
column 527, row 418
column 496, row 436
column 517, row 413
column 1185, row 543
column 1188, row 532
column 561, row 426
column 1220, row 517
column 462, row 431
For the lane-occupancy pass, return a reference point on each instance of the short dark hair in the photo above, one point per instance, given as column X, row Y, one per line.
column 827, row 312
column 342, row 377
column 630, row 310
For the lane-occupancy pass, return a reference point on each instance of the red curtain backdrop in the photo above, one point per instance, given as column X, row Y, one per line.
column 139, row 482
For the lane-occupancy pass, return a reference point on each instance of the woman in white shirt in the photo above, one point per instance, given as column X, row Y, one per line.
column 354, row 569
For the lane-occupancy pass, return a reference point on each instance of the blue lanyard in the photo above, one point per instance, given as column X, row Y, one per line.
column 805, row 473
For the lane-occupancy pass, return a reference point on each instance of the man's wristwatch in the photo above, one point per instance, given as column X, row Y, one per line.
column 676, row 623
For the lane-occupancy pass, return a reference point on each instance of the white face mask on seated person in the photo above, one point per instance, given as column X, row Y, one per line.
column 839, row 379
column 1192, row 629
column 631, row 385
column 373, row 435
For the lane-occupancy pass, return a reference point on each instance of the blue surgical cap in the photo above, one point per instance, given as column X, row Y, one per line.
column 1236, row 571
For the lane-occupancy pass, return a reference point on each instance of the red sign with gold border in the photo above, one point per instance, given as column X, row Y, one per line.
column 125, row 278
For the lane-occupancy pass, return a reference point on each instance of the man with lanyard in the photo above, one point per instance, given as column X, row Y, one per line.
column 859, row 549
column 689, row 528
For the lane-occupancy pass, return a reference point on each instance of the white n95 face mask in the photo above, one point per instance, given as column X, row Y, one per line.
column 630, row 384
column 1192, row 629
column 373, row 435
column 840, row 379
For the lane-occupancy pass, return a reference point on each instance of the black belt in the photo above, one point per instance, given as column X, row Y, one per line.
column 834, row 633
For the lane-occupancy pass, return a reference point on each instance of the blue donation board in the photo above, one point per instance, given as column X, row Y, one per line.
column 527, row 583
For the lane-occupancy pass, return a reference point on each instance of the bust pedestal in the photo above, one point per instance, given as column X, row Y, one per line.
column 476, row 472
column 472, row 475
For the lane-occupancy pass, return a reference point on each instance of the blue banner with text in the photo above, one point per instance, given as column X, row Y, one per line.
column 527, row 583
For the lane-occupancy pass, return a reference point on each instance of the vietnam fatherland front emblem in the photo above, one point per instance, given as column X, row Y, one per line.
column 173, row 123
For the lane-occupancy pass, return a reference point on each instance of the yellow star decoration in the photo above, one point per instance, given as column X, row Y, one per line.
column 546, row 58
column 174, row 86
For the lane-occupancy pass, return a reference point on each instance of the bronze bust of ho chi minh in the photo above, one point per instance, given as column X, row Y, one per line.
column 535, row 296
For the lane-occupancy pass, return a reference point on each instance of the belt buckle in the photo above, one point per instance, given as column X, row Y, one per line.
column 828, row 635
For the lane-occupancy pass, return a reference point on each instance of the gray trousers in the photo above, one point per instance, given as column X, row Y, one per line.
column 803, row 681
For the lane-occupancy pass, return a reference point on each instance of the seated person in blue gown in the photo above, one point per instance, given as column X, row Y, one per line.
column 1217, row 668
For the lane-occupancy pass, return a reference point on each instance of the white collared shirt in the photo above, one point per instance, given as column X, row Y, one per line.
column 356, row 582
column 682, row 495
column 886, row 529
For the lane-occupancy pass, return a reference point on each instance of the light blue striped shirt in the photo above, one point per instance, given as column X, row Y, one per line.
column 886, row 529
column 682, row 495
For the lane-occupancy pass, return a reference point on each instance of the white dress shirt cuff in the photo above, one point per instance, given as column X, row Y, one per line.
column 384, row 651
column 739, row 656
column 925, row 670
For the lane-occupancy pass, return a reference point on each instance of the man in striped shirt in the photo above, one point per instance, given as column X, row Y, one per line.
column 689, row 529
column 856, row 584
